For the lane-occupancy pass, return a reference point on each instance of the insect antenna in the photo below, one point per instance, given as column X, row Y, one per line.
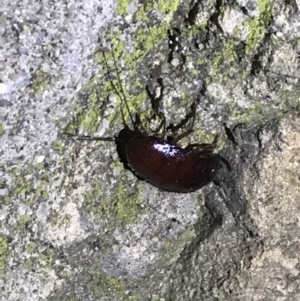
column 122, row 90
column 87, row 137
column 121, row 96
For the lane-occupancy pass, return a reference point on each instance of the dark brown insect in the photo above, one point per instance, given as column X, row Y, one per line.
column 163, row 163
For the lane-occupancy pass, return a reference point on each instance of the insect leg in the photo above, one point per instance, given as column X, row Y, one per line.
column 204, row 148
column 175, row 128
column 191, row 116
column 197, row 147
column 224, row 162
column 216, row 180
column 155, row 106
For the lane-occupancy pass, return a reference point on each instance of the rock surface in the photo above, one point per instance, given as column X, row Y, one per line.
column 74, row 225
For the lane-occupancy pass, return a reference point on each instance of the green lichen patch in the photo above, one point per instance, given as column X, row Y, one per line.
column 262, row 111
column 144, row 40
column 168, row 8
column 129, row 91
column 122, row 207
column 103, row 285
column 3, row 253
column 225, row 63
column 258, row 25
column 41, row 81
column 28, row 264
column 22, row 222
column 6, row 200
column 2, row 129
column 62, row 297
column 47, row 258
column 58, row 146
column 94, row 195
column 89, row 120
column 29, row 184
column 30, row 247
column 128, row 206
column 122, row 7
column 95, row 95
column 37, row 256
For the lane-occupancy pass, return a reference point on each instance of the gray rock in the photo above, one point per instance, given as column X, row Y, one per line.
column 74, row 224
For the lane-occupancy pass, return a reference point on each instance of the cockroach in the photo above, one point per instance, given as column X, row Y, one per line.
column 163, row 163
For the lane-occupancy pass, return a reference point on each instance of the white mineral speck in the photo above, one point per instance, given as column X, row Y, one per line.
column 4, row 88
column 39, row 159
column 175, row 62
column 3, row 192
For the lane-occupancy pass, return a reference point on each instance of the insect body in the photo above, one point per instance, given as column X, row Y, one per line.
column 166, row 165
column 163, row 163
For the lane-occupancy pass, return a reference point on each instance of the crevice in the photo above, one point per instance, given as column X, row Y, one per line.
column 230, row 134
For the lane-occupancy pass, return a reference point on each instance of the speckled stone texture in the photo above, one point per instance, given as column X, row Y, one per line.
column 74, row 224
